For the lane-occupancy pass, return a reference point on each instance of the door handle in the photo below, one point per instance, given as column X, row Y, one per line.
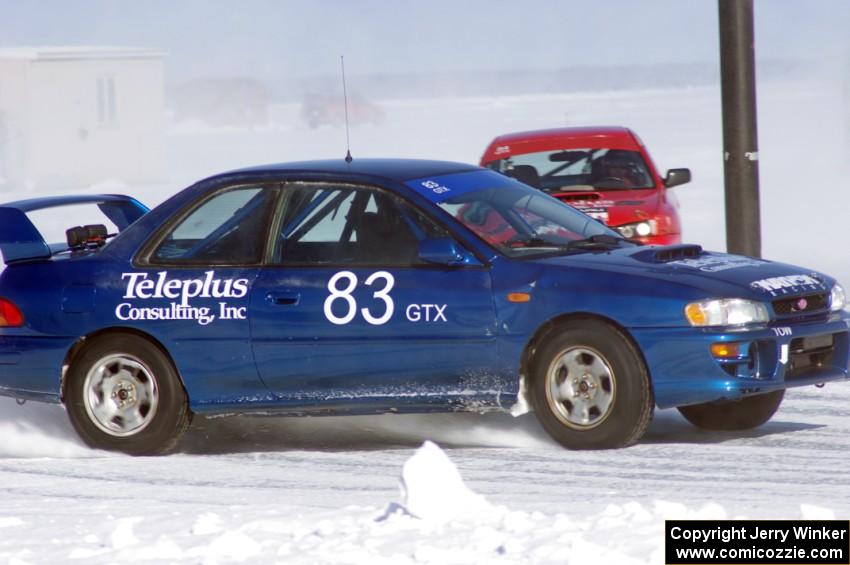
column 284, row 298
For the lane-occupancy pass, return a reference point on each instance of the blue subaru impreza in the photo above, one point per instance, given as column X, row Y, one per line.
column 394, row 286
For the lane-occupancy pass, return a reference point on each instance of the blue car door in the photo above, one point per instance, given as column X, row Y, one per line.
column 349, row 312
column 193, row 289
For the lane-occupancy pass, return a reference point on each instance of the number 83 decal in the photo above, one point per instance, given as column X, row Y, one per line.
column 342, row 285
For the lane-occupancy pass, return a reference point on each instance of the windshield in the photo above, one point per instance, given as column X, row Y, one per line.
column 514, row 218
column 578, row 169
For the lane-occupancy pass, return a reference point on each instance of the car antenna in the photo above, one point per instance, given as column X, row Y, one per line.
column 348, row 157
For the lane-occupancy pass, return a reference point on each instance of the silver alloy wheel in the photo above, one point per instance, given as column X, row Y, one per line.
column 120, row 395
column 580, row 387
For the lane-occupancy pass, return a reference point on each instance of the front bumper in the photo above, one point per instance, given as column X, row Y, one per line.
column 774, row 357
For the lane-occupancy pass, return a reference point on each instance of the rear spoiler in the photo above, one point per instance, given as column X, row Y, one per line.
column 20, row 240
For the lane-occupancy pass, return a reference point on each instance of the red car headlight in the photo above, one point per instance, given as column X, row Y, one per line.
column 638, row 229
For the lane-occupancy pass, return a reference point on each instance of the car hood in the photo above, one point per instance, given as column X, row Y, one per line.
column 614, row 207
column 701, row 274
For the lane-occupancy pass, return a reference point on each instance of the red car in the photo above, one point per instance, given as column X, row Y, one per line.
column 605, row 172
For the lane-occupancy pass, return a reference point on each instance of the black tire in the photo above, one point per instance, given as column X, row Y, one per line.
column 124, row 394
column 732, row 415
column 590, row 388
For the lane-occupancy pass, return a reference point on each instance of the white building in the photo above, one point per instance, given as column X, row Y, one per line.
column 73, row 116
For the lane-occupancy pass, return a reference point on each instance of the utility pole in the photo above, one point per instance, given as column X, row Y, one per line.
column 740, row 139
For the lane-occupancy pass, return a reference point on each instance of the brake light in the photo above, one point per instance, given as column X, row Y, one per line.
column 10, row 315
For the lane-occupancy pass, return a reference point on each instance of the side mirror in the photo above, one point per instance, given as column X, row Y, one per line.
column 675, row 177
column 444, row 251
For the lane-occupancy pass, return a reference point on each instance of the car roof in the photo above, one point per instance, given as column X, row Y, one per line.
column 378, row 171
column 517, row 143
column 617, row 132
column 399, row 170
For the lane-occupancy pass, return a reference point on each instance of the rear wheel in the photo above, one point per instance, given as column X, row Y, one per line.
column 590, row 388
column 731, row 415
column 123, row 394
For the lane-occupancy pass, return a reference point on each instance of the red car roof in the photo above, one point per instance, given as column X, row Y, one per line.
column 517, row 143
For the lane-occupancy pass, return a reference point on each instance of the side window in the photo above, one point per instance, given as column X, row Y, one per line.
column 228, row 229
column 327, row 223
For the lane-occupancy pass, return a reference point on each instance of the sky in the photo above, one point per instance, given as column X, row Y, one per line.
column 266, row 39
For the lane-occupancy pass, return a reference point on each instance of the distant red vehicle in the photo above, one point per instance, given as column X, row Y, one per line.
column 606, row 172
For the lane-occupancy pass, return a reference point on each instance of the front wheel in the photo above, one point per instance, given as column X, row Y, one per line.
column 590, row 388
column 733, row 415
column 123, row 394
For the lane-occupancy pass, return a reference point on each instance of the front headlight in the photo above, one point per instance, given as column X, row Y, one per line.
column 837, row 298
column 725, row 312
column 638, row 229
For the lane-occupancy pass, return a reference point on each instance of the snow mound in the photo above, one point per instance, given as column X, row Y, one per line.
column 433, row 489
column 442, row 520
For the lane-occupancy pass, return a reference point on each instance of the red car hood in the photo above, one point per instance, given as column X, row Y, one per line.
column 614, row 207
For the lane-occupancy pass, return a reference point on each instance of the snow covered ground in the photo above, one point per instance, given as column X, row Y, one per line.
column 496, row 490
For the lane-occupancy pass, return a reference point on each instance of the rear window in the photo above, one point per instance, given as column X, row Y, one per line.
column 227, row 229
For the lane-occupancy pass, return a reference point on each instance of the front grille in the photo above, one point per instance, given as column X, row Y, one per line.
column 577, row 197
column 801, row 305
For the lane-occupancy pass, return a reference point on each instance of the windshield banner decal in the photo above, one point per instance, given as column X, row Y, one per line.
column 441, row 188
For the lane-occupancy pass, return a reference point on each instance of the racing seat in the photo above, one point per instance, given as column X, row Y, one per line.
column 525, row 174
column 384, row 237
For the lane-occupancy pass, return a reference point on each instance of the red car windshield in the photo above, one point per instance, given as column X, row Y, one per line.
column 578, row 169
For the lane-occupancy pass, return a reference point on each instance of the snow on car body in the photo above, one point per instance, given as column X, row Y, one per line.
column 325, row 287
column 606, row 172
